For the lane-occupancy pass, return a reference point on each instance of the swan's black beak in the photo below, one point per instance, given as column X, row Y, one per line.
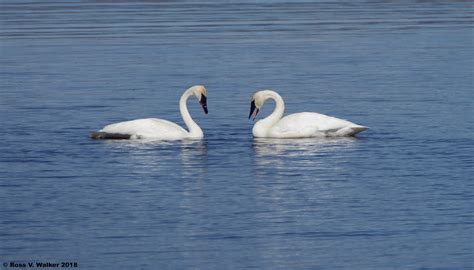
column 253, row 110
column 203, row 103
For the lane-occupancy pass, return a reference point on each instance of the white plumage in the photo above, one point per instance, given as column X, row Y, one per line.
column 147, row 129
column 153, row 128
column 297, row 125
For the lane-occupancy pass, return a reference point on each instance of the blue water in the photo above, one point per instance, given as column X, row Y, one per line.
column 400, row 196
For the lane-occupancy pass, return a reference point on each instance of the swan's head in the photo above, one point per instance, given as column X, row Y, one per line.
column 256, row 103
column 201, row 94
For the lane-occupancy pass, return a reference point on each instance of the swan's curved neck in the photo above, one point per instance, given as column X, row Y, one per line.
column 277, row 113
column 194, row 129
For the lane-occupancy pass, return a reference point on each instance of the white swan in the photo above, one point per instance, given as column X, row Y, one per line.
column 153, row 128
column 297, row 125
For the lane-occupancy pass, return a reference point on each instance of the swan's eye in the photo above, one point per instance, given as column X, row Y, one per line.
column 203, row 99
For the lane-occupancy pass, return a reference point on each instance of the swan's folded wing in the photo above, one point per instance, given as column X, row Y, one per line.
column 146, row 128
column 310, row 124
column 294, row 126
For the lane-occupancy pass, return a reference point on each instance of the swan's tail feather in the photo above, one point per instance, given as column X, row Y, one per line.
column 109, row 136
column 356, row 129
column 351, row 130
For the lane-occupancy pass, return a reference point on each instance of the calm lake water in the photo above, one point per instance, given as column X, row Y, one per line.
column 400, row 196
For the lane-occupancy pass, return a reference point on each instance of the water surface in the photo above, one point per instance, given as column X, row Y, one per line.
column 399, row 196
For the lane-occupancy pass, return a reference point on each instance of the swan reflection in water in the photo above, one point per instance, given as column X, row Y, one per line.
column 293, row 154
column 186, row 157
column 160, row 171
column 299, row 168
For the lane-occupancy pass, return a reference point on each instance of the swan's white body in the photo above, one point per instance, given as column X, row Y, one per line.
column 298, row 125
column 153, row 128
